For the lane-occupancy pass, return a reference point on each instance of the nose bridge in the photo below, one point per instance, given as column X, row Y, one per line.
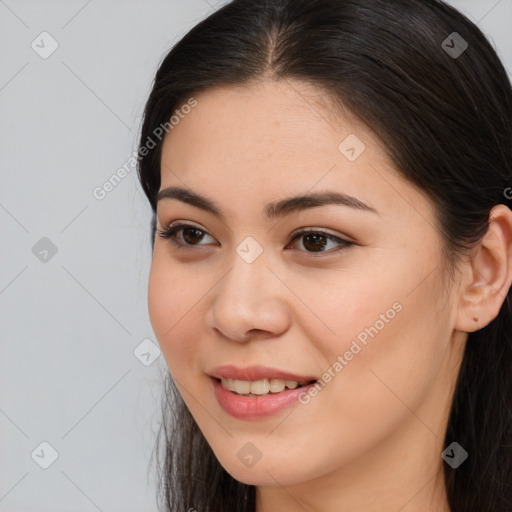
column 249, row 275
column 246, row 298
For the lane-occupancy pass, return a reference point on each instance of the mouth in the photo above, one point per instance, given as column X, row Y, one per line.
column 255, row 392
column 262, row 387
column 253, row 400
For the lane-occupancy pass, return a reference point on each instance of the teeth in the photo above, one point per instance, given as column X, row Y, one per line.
column 258, row 387
column 276, row 385
column 242, row 387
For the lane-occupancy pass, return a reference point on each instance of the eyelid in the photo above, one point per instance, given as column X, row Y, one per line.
column 302, row 231
column 168, row 232
column 184, row 223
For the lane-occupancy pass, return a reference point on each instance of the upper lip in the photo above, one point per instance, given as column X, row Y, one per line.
column 254, row 373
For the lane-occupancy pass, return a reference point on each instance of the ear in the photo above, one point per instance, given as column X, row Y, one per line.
column 488, row 275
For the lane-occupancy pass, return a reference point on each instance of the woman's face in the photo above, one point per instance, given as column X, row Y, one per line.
column 366, row 318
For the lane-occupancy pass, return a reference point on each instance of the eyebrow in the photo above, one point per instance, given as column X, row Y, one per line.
column 274, row 210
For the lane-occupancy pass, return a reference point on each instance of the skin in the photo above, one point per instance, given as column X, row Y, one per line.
column 372, row 438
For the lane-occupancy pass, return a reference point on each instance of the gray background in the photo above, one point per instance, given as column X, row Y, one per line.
column 71, row 321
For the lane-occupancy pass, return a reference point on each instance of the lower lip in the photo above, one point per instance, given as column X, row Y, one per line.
column 246, row 407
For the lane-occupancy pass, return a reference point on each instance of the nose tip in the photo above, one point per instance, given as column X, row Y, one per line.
column 245, row 304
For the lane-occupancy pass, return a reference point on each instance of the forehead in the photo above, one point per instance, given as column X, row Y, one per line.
column 269, row 140
column 254, row 118
column 266, row 129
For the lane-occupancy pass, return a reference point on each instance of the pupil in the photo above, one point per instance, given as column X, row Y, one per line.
column 318, row 241
column 198, row 233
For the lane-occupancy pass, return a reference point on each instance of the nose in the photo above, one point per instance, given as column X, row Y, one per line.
column 249, row 302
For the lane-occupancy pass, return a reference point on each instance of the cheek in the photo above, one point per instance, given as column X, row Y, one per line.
column 352, row 306
column 382, row 324
column 391, row 344
column 174, row 301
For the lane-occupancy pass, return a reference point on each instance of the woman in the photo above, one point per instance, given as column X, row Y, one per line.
column 332, row 259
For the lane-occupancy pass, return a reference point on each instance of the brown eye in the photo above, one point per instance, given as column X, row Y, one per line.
column 191, row 235
column 316, row 241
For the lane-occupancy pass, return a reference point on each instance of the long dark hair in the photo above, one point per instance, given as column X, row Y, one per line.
column 444, row 114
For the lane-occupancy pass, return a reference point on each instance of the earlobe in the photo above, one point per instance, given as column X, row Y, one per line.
column 488, row 275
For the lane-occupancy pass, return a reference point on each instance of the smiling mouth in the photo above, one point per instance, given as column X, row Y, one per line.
column 263, row 387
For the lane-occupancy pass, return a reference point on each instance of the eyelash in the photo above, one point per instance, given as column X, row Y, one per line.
column 169, row 233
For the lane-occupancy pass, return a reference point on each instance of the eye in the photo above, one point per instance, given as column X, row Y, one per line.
column 186, row 236
column 315, row 240
column 191, row 234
